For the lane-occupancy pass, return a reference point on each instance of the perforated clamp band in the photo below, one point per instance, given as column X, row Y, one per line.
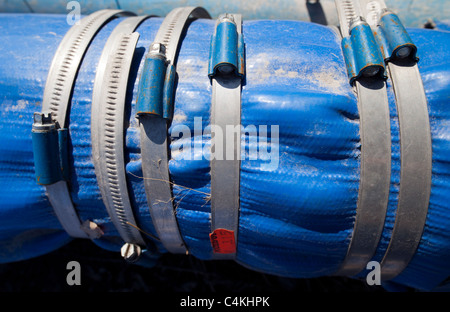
column 107, row 126
column 375, row 140
column 226, row 70
column 415, row 137
column 50, row 150
column 154, row 108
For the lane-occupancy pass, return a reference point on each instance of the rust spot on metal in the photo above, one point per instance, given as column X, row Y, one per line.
column 393, row 21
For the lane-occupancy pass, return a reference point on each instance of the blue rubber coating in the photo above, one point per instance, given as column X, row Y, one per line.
column 297, row 216
column 391, row 36
column 361, row 51
column 63, row 149
column 241, row 55
column 225, row 49
column 151, row 87
column 169, row 91
column 46, row 157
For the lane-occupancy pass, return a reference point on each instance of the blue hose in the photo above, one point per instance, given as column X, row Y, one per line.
column 297, row 217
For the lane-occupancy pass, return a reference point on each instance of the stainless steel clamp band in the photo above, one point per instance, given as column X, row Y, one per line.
column 154, row 109
column 375, row 136
column 107, row 127
column 51, row 153
column 226, row 70
column 415, row 137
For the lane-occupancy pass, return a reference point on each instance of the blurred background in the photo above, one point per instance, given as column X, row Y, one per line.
column 413, row 13
column 104, row 271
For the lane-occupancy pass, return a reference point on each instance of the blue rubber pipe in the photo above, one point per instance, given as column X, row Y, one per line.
column 296, row 217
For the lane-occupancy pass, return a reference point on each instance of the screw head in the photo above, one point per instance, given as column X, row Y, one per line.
column 403, row 52
column 43, row 122
column 157, row 48
column 371, row 71
column 225, row 69
column 42, row 118
column 226, row 18
column 131, row 252
column 38, row 118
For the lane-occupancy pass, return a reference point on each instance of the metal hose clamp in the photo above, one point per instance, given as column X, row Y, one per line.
column 415, row 138
column 375, row 170
column 107, row 127
column 226, row 70
column 154, row 110
column 56, row 105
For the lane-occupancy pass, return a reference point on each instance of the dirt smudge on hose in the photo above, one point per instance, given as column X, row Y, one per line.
column 327, row 78
column 331, row 79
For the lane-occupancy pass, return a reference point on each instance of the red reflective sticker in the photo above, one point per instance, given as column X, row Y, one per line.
column 222, row 241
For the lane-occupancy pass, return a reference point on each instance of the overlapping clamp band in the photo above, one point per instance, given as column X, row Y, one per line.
column 107, row 129
column 50, row 127
column 366, row 73
column 154, row 109
column 361, row 51
column 226, row 71
column 415, row 138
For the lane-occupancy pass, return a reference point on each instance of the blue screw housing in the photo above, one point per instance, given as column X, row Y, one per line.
column 227, row 48
column 392, row 36
column 156, row 88
column 49, row 150
column 361, row 53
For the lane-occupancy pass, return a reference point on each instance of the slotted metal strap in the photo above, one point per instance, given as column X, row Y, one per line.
column 415, row 156
column 173, row 26
column 67, row 60
column 154, row 141
column 56, row 100
column 225, row 164
column 375, row 160
column 107, row 126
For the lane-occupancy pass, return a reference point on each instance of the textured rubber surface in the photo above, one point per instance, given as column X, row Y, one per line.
column 296, row 220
